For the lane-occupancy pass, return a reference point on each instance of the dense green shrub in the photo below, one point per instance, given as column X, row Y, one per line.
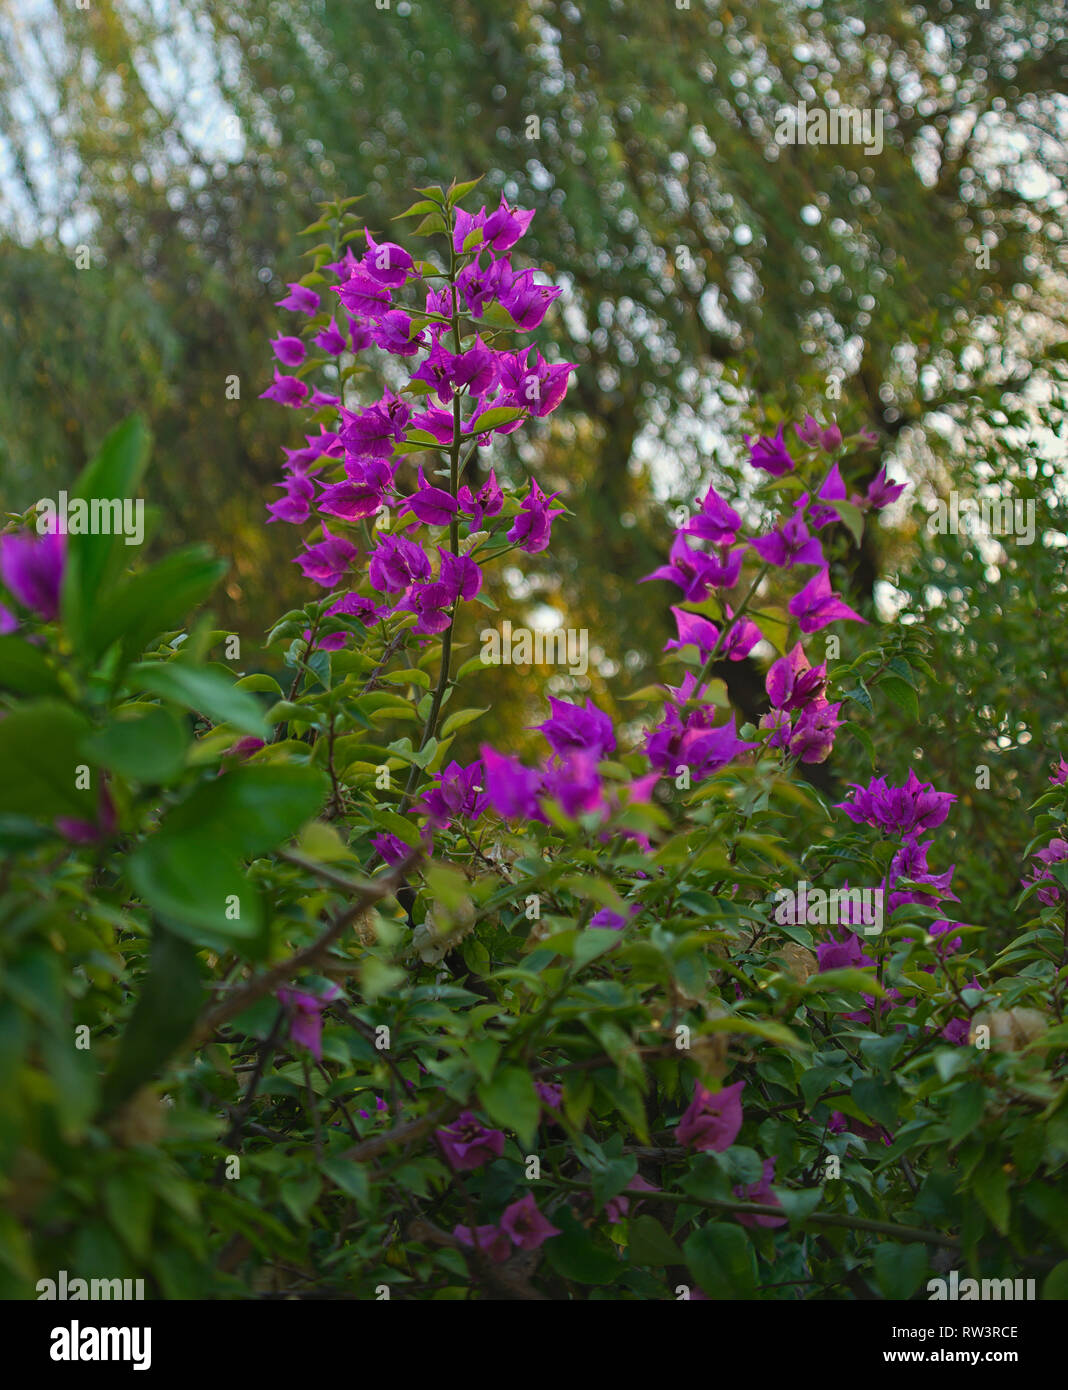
column 294, row 1004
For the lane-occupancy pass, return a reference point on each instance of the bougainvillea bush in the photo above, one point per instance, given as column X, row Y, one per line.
column 308, row 991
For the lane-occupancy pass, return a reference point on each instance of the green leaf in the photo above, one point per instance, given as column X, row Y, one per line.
column 497, row 415
column 416, row 440
column 815, row 1081
column 852, row 517
column 900, row 1269
column 474, row 663
column 299, row 1196
column 1055, row 1284
column 650, row 1244
column 484, row 1054
column 864, row 739
column 143, row 605
column 966, row 1109
column 579, row 1090
column 350, row 1177
column 190, row 872
column 148, row 746
column 163, row 1017
column 432, row 225
column 649, row 694
column 446, row 885
column 322, row 842
column 882, row 1052
column 861, row 695
column 460, row 190
column 77, row 1085
column 404, row 829
column 721, row 1261
column 24, row 669
column 130, row 1205
column 851, row 979
column 250, row 808
column 574, row 1254
column 34, row 983
column 991, row 1186
column 626, row 1096
column 593, row 888
column 593, row 942
column 901, row 693
column 951, row 1060
column 610, row 1180
column 94, row 562
column 798, row 1204
column 879, row 1099
column 770, row 1028
column 40, row 752
column 378, row 977
column 203, row 690
column 511, row 1100
column 460, row 718
column 260, row 681
column 411, row 676
column 417, row 210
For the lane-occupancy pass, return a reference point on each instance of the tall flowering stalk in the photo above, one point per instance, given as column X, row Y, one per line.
column 443, row 324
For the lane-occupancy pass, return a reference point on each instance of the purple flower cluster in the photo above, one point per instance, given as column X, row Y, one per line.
column 910, row 862
column 707, row 555
column 847, row 953
column 457, row 792
column 31, row 569
column 906, row 811
column 687, row 735
column 306, row 1016
column 1053, row 853
column 712, row 1120
column 467, row 1143
column 350, row 472
column 760, row 1191
column 801, row 720
column 903, row 813
column 580, row 736
column 522, row 1227
column 616, row 1208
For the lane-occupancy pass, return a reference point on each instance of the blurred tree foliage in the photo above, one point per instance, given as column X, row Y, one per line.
column 713, row 277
